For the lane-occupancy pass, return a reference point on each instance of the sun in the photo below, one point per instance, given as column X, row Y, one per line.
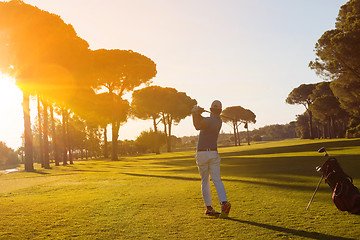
column 10, row 96
column 9, row 92
column 11, row 125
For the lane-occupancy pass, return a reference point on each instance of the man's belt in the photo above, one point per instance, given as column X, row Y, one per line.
column 206, row 150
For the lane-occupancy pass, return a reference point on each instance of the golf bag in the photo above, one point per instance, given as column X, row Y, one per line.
column 346, row 196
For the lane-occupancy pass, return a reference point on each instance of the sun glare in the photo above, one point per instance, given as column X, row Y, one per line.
column 9, row 92
column 10, row 112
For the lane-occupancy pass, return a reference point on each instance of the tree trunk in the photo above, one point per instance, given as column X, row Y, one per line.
column 238, row 134
column 69, row 142
column 106, row 152
column 334, row 127
column 157, row 145
column 115, row 129
column 41, row 143
column 63, row 113
column 235, row 133
column 28, row 140
column 54, row 137
column 71, row 156
column 115, row 135
column 310, row 125
column 324, row 131
column 165, row 131
column 330, row 128
column 45, row 135
column 169, row 148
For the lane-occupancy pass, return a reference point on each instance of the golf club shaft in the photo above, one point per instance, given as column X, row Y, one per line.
column 221, row 115
column 317, row 187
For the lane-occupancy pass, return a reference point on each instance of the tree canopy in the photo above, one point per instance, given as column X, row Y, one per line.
column 162, row 102
column 338, row 57
column 303, row 95
column 121, row 70
column 236, row 115
column 47, row 58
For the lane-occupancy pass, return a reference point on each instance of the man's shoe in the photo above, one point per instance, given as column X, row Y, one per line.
column 212, row 212
column 225, row 209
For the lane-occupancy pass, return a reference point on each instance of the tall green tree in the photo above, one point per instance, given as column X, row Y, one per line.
column 303, row 95
column 302, row 126
column 177, row 106
column 120, row 71
column 162, row 104
column 326, row 108
column 338, row 57
column 97, row 110
column 236, row 115
column 147, row 103
column 233, row 118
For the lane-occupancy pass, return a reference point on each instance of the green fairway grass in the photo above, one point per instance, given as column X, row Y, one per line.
column 158, row 196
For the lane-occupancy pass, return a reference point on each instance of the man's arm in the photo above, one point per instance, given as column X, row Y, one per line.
column 198, row 121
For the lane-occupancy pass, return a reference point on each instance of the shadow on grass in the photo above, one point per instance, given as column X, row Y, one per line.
column 160, row 176
column 306, row 147
column 38, row 172
column 89, row 171
column 249, row 162
column 301, row 233
column 279, row 185
column 295, row 165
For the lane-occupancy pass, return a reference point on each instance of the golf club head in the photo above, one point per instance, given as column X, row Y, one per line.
column 321, row 150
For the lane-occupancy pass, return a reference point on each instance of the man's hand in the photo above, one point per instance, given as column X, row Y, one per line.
column 197, row 109
column 198, row 120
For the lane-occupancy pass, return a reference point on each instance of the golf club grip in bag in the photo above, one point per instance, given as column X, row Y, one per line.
column 346, row 196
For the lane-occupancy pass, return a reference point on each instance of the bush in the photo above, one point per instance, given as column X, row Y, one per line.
column 147, row 140
column 7, row 156
column 353, row 132
column 257, row 138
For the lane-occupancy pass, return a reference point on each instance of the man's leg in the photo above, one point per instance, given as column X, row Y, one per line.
column 214, row 167
column 201, row 161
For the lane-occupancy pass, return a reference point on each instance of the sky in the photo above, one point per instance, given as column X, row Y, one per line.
column 243, row 53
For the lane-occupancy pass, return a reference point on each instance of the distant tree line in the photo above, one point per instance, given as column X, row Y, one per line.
column 272, row 132
column 332, row 107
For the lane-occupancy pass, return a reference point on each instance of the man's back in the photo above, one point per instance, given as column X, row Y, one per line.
column 208, row 135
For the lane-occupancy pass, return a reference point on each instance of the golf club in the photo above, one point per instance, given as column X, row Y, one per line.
column 316, row 189
column 318, row 168
column 221, row 115
column 321, row 150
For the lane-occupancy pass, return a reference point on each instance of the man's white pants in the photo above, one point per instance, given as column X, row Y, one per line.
column 208, row 163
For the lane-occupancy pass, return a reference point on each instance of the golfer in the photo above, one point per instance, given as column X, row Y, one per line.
column 208, row 158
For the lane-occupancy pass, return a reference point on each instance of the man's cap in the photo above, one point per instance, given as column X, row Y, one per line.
column 216, row 105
